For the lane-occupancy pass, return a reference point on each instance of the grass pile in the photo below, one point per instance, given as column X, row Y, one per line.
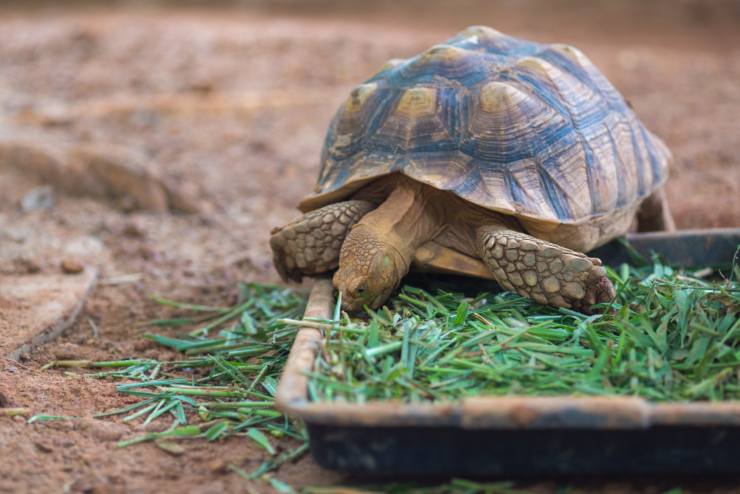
column 224, row 384
column 669, row 336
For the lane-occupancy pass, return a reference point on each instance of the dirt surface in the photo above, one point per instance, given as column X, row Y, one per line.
column 229, row 109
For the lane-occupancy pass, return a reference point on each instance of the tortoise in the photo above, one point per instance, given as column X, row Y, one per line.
column 486, row 155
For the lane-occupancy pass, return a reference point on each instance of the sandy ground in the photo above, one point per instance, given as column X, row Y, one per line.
column 231, row 108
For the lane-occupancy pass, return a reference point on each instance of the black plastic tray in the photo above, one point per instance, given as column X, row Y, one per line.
column 523, row 436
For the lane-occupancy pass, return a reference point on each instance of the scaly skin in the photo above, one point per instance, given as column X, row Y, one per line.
column 310, row 244
column 373, row 246
column 377, row 253
column 545, row 272
column 654, row 214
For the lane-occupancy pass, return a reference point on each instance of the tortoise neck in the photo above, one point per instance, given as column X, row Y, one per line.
column 406, row 219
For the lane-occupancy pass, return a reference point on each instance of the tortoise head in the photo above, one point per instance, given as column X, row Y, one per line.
column 369, row 270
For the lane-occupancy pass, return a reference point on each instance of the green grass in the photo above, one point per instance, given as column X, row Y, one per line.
column 223, row 385
column 668, row 336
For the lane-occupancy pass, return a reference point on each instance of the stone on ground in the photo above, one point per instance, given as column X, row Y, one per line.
column 36, row 308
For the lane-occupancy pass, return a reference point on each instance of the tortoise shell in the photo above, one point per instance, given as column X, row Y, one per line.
column 517, row 127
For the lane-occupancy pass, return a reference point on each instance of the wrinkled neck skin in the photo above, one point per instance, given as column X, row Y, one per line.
column 378, row 251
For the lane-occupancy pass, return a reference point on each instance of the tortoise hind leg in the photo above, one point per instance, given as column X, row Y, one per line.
column 654, row 213
column 310, row 245
column 545, row 272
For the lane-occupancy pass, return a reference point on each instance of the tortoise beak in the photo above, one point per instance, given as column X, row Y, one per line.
column 379, row 301
column 351, row 304
column 355, row 304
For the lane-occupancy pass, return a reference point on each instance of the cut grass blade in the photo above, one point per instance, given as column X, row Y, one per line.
column 672, row 337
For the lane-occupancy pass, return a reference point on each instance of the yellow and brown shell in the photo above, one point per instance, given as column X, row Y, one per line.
column 517, row 127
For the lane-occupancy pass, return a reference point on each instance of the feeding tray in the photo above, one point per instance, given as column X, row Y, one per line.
column 522, row 435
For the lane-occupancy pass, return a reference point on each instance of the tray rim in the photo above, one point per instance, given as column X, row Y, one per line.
column 485, row 412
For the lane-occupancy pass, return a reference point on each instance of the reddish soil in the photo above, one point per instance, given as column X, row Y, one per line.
column 231, row 107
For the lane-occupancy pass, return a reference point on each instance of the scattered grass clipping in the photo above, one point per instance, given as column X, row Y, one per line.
column 225, row 381
column 669, row 336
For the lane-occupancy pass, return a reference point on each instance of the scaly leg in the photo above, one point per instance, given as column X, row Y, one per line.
column 545, row 272
column 654, row 213
column 310, row 245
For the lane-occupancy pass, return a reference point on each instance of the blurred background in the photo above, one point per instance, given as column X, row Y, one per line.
column 257, row 81
column 177, row 134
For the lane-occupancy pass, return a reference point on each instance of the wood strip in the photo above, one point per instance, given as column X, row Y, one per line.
column 293, row 386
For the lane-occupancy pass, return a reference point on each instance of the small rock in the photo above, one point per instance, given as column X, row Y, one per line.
column 170, row 447
column 38, row 198
column 84, row 485
column 23, row 265
column 147, row 252
column 67, row 351
column 44, row 448
column 141, row 345
column 134, row 228
column 72, row 265
column 218, row 466
column 103, row 430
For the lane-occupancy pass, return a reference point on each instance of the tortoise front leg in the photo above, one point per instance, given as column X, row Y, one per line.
column 543, row 271
column 310, row 245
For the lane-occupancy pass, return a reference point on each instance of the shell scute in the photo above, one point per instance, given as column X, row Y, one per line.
column 350, row 127
column 421, row 120
column 518, row 127
column 504, row 124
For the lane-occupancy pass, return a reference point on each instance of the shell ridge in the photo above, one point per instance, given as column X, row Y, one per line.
column 380, row 114
column 566, row 112
column 549, row 138
column 585, row 77
column 620, row 170
column 640, row 163
column 513, row 187
column 533, row 190
column 471, row 181
column 555, row 191
column 651, row 156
